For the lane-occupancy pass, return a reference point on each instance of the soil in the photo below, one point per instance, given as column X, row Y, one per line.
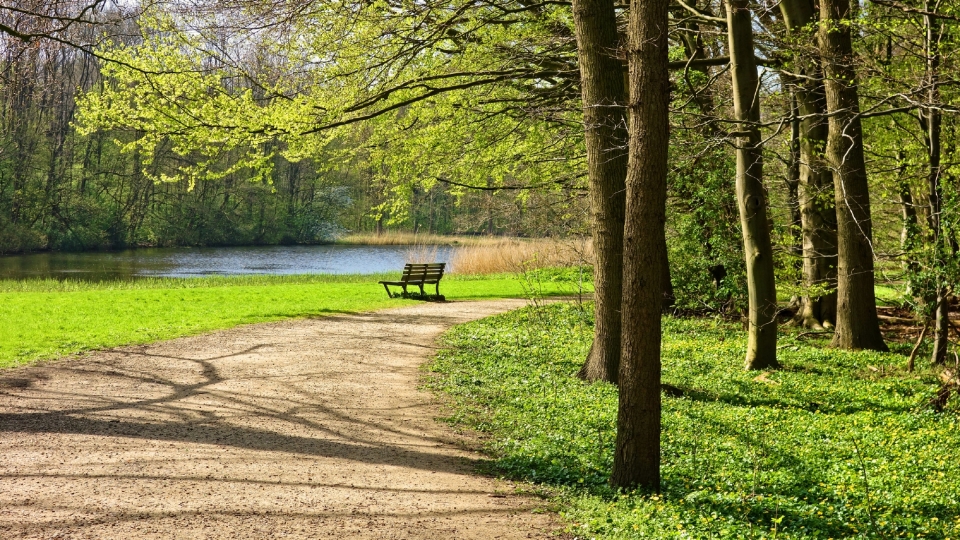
column 308, row 428
column 902, row 324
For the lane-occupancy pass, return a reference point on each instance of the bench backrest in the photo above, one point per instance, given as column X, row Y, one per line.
column 423, row 271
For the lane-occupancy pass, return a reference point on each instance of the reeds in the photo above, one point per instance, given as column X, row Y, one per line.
column 422, row 253
column 516, row 255
column 414, row 239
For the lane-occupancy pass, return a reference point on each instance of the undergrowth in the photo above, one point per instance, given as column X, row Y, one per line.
column 835, row 445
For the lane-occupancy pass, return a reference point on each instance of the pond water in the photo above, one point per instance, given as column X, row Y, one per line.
column 194, row 262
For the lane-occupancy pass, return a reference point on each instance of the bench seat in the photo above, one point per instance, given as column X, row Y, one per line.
column 418, row 274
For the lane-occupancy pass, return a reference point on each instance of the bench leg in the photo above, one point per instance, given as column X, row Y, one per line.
column 438, row 289
column 388, row 290
column 422, row 292
column 404, row 290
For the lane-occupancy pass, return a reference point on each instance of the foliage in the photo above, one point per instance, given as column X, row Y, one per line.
column 836, row 445
column 189, row 136
column 704, row 240
column 406, row 106
column 41, row 319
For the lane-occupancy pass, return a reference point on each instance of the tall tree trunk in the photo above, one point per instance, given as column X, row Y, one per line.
column 857, row 324
column 908, row 230
column 751, row 195
column 817, row 212
column 934, row 128
column 793, row 179
column 603, row 93
column 636, row 460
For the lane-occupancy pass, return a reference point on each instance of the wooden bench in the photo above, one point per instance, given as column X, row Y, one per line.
column 419, row 274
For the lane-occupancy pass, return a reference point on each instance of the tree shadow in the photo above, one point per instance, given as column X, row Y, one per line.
column 54, row 409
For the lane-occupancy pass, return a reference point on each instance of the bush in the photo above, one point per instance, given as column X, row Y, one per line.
column 17, row 238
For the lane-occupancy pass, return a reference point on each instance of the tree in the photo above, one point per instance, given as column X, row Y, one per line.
column 751, row 194
column 857, row 324
column 637, row 454
column 932, row 117
column 602, row 91
column 818, row 307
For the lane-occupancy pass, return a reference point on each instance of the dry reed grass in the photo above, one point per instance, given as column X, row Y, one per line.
column 484, row 254
column 422, row 253
column 519, row 255
column 411, row 239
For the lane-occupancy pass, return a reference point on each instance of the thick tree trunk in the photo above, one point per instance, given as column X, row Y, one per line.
column 636, row 461
column 603, row 95
column 751, row 195
column 857, row 326
column 817, row 212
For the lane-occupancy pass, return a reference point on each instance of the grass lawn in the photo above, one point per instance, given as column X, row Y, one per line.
column 43, row 319
column 835, row 445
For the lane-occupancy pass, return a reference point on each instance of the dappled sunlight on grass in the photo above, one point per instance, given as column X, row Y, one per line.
column 837, row 444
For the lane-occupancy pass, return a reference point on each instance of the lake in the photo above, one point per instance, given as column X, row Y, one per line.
column 195, row 262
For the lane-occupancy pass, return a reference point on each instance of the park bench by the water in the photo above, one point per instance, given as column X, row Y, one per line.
column 418, row 274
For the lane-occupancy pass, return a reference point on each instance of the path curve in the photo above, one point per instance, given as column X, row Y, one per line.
column 308, row 428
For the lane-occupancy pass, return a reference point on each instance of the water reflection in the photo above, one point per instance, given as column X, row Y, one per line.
column 193, row 262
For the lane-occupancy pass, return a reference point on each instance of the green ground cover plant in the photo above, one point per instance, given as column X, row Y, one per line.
column 42, row 319
column 835, row 445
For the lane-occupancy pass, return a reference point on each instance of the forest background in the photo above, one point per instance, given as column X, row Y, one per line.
column 111, row 132
column 811, row 150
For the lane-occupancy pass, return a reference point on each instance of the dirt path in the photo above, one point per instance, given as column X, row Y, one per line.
column 299, row 429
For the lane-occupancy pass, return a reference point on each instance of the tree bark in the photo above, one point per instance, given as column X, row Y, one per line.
column 636, row 461
column 793, row 178
column 908, row 230
column 751, row 195
column 603, row 94
column 857, row 324
column 815, row 193
column 934, row 125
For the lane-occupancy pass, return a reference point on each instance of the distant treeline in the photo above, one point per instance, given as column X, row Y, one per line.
column 61, row 190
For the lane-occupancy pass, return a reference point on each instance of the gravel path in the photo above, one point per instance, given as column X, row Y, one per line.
column 300, row 429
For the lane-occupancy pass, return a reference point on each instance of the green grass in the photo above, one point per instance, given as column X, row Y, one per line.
column 890, row 294
column 42, row 319
column 835, row 445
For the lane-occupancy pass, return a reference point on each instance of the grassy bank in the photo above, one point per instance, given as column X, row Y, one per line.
column 835, row 445
column 45, row 318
